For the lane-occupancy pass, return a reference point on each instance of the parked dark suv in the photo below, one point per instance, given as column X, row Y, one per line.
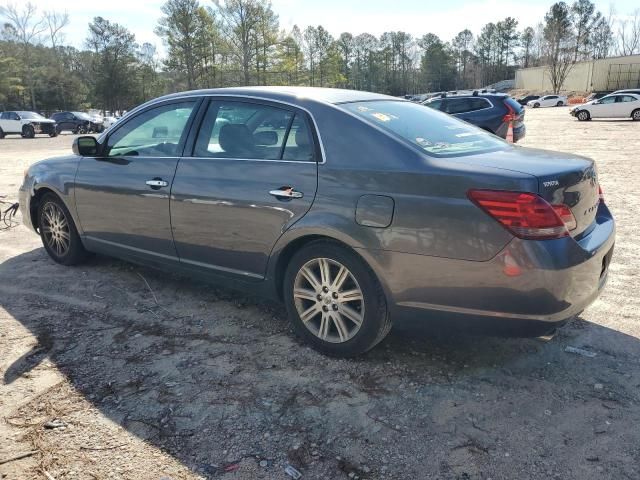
column 491, row 112
column 76, row 122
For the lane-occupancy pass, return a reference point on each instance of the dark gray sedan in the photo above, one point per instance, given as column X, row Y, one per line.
column 355, row 209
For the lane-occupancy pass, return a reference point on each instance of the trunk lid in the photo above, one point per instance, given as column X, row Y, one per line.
column 562, row 178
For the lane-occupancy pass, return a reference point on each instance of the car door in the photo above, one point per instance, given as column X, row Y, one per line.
column 604, row 108
column 625, row 105
column 250, row 175
column 122, row 195
column 11, row 122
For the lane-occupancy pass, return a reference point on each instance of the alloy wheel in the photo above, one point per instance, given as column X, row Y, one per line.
column 55, row 229
column 329, row 300
column 636, row 115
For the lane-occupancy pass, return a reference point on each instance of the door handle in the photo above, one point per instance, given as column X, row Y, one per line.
column 286, row 193
column 157, row 183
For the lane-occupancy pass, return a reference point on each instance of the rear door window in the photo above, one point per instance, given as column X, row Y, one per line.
column 479, row 104
column 457, row 105
column 246, row 130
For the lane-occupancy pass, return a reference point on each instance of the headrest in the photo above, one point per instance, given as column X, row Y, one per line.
column 236, row 139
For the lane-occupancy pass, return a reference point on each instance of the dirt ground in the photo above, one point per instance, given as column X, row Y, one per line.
column 112, row 371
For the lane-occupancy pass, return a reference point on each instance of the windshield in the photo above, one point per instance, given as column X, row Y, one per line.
column 82, row 116
column 31, row 115
column 433, row 132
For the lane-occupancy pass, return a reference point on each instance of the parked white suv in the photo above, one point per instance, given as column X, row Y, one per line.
column 623, row 105
column 27, row 124
column 548, row 101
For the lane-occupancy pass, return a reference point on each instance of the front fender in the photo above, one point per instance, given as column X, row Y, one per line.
column 56, row 175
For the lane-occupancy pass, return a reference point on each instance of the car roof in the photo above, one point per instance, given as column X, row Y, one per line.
column 290, row 94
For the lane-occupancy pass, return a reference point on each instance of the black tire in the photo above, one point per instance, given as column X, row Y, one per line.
column 536, row 105
column 53, row 133
column 28, row 131
column 559, row 104
column 375, row 324
column 75, row 253
column 583, row 116
column 635, row 115
column 1, row 134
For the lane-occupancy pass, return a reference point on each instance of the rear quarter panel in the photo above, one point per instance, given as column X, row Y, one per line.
column 432, row 214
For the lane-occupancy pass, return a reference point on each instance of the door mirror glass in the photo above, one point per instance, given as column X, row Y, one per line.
column 265, row 139
column 85, row 146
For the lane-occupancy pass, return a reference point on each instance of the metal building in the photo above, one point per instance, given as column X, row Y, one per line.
column 603, row 75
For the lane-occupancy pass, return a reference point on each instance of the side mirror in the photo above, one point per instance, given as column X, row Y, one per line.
column 85, row 146
column 266, row 139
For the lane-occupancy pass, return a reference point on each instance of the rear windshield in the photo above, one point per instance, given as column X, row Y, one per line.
column 513, row 104
column 433, row 132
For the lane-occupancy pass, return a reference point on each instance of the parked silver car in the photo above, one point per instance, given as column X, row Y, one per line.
column 357, row 210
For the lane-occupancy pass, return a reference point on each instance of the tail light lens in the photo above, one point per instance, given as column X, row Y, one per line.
column 511, row 115
column 600, row 194
column 526, row 215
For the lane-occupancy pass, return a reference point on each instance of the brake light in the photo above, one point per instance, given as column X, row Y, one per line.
column 600, row 194
column 511, row 115
column 566, row 216
column 525, row 215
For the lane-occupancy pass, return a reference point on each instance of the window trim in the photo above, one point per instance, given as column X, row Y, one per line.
column 267, row 102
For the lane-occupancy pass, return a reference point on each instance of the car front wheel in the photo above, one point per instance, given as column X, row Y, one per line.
column 536, row 105
column 58, row 232
column 28, row 131
column 334, row 300
column 583, row 115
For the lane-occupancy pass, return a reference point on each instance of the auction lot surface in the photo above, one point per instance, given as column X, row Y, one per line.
column 150, row 376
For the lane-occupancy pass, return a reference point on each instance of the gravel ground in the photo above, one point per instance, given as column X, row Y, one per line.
column 115, row 371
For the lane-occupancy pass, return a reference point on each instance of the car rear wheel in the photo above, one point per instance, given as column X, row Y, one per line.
column 28, row 131
column 334, row 300
column 1, row 134
column 559, row 104
column 635, row 115
column 583, row 115
column 58, row 232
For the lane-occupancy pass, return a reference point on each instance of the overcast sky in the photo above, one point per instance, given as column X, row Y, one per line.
column 444, row 18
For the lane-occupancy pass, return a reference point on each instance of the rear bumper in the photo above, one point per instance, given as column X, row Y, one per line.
column 544, row 281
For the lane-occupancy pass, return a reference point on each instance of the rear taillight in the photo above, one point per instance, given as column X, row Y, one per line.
column 526, row 215
column 600, row 194
column 511, row 115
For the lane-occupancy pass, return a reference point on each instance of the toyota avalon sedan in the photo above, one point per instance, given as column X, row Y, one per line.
column 356, row 210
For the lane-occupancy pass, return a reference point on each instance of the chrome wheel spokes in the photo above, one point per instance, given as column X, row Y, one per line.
column 55, row 229
column 328, row 300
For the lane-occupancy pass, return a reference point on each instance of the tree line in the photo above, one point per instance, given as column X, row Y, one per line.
column 223, row 43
